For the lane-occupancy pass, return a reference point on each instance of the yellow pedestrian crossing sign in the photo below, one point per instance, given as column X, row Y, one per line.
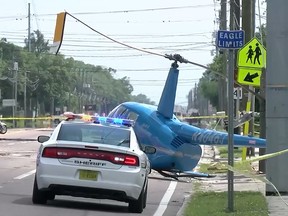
column 252, row 55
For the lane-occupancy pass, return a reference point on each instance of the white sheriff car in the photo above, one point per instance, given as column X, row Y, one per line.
column 97, row 159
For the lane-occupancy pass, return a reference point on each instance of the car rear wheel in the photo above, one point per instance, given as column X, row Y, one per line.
column 38, row 197
column 137, row 206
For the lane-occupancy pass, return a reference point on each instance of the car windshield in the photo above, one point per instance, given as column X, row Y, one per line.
column 95, row 134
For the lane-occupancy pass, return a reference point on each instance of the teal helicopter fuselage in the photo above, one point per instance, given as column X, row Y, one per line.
column 178, row 144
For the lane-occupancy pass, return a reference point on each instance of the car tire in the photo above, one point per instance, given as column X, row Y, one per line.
column 137, row 206
column 3, row 129
column 38, row 197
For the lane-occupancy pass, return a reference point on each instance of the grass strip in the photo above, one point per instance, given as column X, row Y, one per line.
column 223, row 152
column 216, row 203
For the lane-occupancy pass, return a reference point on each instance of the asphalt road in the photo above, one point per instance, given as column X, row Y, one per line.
column 17, row 168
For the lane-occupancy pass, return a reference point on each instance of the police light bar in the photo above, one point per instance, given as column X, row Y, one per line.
column 74, row 116
column 71, row 116
column 118, row 121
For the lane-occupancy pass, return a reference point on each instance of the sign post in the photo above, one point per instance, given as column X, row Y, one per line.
column 230, row 40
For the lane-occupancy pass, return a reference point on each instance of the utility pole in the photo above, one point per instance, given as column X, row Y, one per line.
column 80, row 98
column 262, row 151
column 276, row 95
column 29, row 50
column 15, row 68
column 237, row 26
column 262, row 105
column 248, row 25
column 29, row 28
column 252, row 97
column 25, row 93
column 223, row 82
column 231, row 115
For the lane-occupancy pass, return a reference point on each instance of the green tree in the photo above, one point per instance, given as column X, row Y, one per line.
column 37, row 43
column 261, row 34
column 55, row 81
column 208, row 84
column 141, row 98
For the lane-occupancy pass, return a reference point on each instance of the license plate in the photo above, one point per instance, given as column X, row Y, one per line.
column 88, row 175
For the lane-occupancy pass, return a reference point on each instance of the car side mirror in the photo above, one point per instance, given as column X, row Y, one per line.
column 43, row 138
column 149, row 150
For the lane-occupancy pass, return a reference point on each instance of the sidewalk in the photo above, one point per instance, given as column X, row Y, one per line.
column 241, row 183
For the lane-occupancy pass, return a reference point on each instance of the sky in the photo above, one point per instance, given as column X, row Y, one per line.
column 185, row 27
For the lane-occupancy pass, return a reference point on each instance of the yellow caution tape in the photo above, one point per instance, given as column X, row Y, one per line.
column 36, row 118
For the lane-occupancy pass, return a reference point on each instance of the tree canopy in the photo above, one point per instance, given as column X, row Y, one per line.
column 55, row 82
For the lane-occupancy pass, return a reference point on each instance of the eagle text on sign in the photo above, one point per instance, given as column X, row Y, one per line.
column 230, row 39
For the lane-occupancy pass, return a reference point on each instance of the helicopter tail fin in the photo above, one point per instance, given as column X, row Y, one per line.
column 167, row 100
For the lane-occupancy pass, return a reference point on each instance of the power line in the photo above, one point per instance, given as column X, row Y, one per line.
column 125, row 49
column 114, row 12
column 194, row 45
column 133, row 35
column 157, row 69
column 157, row 85
column 109, row 42
column 137, row 10
column 154, row 80
column 170, row 57
column 163, row 21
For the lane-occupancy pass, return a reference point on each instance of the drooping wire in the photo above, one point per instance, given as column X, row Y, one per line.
column 174, row 57
column 171, row 57
column 109, row 38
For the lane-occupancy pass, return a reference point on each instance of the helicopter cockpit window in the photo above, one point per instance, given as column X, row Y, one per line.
column 118, row 112
column 133, row 116
column 125, row 114
column 111, row 114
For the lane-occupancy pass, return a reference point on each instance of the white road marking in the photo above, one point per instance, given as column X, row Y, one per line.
column 166, row 198
column 26, row 174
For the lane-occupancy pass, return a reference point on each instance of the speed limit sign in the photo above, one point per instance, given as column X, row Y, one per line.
column 237, row 94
